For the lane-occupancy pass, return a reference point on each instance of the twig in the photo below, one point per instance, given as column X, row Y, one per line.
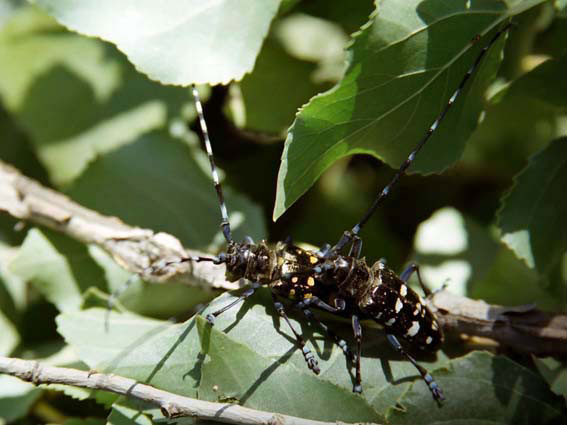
column 524, row 329
column 171, row 405
column 133, row 248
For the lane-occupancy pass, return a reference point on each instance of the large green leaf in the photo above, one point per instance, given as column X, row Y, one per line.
column 60, row 268
column 178, row 42
column 16, row 397
column 533, row 212
column 249, row 357
column 249, row 363
column 261, row 363
column 76, row 97
column 493, row 390
column 403, row 67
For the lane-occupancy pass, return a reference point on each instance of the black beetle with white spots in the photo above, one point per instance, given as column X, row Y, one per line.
column 339, row 283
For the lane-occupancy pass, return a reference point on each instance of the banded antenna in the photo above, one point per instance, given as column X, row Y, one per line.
column 225, row 224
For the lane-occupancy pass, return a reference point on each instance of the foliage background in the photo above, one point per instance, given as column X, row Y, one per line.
column 76, row 115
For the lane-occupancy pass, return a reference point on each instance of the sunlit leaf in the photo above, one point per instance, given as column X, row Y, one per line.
column 76, row 97
column 58, row 267
column 181, row 42
column 403, row 67
column 9, row 337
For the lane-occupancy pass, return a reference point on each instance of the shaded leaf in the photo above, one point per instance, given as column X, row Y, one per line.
column 76, row 97
column 16, row 397
column 125, row 415
column 180, row 43
column 536, row 82
column 404, row 64
column 452, row 249
column 555, row 374
column 84, row 421
column 287, row 79
column 246, row 375
column 532, row 213
column 128, row 411
column 497, row 390
column 157, row 183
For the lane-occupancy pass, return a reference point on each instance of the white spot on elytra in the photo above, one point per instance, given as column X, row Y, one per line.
column 391, row 321
column 403, row 290
column 429, row 340
column 434, row 326
column 416, row 311
column 413, row 330
column 399, row 305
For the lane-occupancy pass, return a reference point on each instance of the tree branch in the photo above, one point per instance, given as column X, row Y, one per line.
column 134, row 248
column 171, row 405
column 524, row 328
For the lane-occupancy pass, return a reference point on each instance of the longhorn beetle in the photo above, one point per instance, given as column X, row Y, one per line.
column 332, row 281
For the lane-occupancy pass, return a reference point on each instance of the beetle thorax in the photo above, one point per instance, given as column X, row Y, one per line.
column 254, row 262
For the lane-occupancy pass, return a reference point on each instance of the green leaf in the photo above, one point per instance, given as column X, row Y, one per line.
column 16, row 397
column 287, row 79
column 536, row 83
column 453, row 249
column 9, row 337
column 555, row 374
column 13, row 291
column 84, row 421
column 60, row 268
column 246, row 362
column 125, row 415
column 180, row 200
column 561, row 7
column 49, row 75
column 155, row 352
column 250, row 358
column 531, row 218
column 181, row 42
column 252, row 376
column 404, row 65
column 483, row 389
column 150, row 299
column 127, row 411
